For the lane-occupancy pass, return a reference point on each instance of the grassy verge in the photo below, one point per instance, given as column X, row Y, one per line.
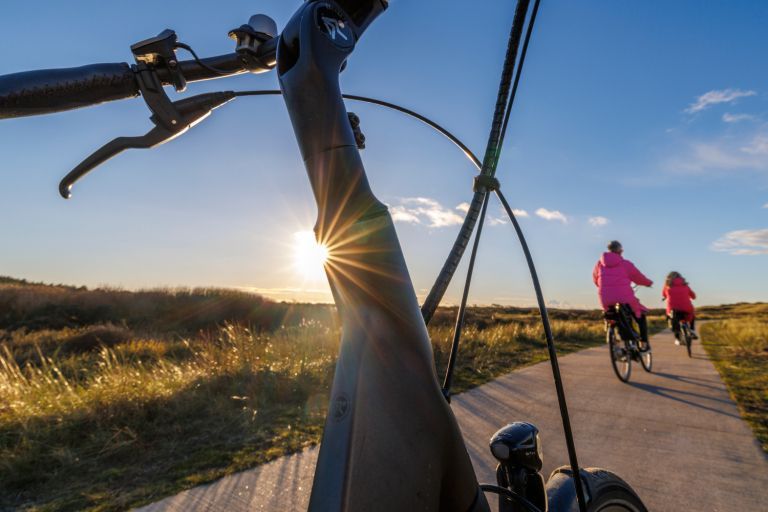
column 739, row 350
column 112, row 399
column 102, row 419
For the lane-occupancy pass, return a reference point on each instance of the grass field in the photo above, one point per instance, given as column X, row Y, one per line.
column 111, row 399
column 739, row 350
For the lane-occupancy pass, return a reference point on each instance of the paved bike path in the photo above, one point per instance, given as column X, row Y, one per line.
column 675, row 435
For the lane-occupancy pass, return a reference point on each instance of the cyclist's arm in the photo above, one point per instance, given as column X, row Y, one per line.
column 665, row 293
column 596, row 273
column 691, row 293
column 636, row 276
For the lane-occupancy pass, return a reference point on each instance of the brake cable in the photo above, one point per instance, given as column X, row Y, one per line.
column 564, row 415
column 521, row 237
column 202, row 64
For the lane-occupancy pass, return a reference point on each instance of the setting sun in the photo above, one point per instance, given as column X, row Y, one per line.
column 309, row 257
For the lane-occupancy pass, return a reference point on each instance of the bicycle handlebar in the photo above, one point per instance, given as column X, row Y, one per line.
column 54, row 90
column 47, row 91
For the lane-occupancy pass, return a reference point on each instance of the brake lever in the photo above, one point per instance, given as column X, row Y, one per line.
column 191, row 110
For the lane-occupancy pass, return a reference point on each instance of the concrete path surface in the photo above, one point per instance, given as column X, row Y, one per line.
column 674, row 435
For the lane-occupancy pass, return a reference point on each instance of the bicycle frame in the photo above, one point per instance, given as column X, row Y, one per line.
column 387, row 410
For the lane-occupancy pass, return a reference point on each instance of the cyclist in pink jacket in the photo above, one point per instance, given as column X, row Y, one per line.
column 613, row 276
column 678, row 295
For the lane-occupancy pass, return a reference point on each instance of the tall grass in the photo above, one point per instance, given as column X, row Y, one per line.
column 128, row 429
column 132, row 421
column 111, row 399
column 739, row 350
column 172, row 310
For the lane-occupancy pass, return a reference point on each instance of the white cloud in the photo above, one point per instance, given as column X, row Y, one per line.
column 503, row 218
column 463, row 207
column 725, row 153
column 497, row 221
column 757, row 146
column 429, row 212
column 714, row 97
column 423, row 210
column 743, row 242
column 735, row 118
column 400, row 214
column 765, row 205
column 552, row 215
column 598, row 221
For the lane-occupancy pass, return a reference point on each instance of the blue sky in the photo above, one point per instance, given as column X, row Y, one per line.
column 645, row 122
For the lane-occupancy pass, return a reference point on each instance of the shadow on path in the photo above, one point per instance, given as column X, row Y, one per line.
column 668, row 393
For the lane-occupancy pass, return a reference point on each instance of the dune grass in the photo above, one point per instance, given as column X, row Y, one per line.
column 134, row 419
column 739, row 350
column 107, row 405
column 136, row 424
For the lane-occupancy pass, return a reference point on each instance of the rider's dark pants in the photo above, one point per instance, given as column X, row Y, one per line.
column 642, row 322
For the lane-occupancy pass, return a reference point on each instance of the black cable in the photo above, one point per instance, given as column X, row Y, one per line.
column 552, row 356
column 200, row 62
column 467, row 152
column 523, row 53
column 512, row 496
column 463, row 307
column 490, row 161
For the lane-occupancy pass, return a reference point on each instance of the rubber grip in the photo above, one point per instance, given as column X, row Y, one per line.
column 54, row 90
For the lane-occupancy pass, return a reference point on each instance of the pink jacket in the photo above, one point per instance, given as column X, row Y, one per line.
column 613, row 276
column 678, row 296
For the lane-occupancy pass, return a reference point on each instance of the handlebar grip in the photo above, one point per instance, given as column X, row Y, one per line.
column 54, row 90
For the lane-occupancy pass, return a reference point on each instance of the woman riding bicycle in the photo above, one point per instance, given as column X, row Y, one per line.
column 678, row 296
column 613, row 276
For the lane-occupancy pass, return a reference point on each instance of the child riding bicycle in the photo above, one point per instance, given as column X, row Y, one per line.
column 678, row 296
column 613, row 276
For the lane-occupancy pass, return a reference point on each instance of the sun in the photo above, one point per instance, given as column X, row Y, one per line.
column 309, row 257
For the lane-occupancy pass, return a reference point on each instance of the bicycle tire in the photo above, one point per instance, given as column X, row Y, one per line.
column 646, row 358
column 688, row 340
column 616, row 352
column 607, row 492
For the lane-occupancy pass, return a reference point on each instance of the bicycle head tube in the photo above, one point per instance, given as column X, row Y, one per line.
column 390, row 441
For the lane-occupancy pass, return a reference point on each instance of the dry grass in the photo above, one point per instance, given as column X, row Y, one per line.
column 128, row 428
column 105, row 404
column 739, row 349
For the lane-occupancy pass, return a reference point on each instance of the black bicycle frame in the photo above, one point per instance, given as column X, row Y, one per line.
column 387, row 411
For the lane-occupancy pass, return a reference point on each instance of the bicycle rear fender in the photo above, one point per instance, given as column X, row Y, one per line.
column 391, row 441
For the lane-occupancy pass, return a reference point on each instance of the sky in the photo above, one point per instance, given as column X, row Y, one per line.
column 645, row 122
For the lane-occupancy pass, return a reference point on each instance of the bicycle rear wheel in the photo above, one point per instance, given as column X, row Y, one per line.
column 607, row 492
column 687, row 339
column 621, row 359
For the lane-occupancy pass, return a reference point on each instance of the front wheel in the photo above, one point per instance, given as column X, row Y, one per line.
column 606, row 492
column 621, row 359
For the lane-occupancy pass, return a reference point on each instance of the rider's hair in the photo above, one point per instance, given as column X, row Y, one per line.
column 614, row 246
column 674, row 275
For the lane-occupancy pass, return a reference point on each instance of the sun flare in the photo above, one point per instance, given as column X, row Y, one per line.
column 309, row 257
